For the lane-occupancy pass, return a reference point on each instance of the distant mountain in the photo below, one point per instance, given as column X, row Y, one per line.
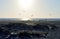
column 9, row 19
column 32, row 19
column 46, row 19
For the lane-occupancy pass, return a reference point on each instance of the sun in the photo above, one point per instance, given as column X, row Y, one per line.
column 25, row 3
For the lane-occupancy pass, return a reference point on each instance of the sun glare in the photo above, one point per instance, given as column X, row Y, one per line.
column 25, row 19
column 25, row 3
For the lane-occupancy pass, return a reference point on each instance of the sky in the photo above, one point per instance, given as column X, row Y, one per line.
column 36, row 9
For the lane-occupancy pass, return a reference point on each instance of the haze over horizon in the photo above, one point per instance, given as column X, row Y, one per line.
column 29, row 8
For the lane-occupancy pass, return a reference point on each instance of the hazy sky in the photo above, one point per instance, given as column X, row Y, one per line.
column 37, row 9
